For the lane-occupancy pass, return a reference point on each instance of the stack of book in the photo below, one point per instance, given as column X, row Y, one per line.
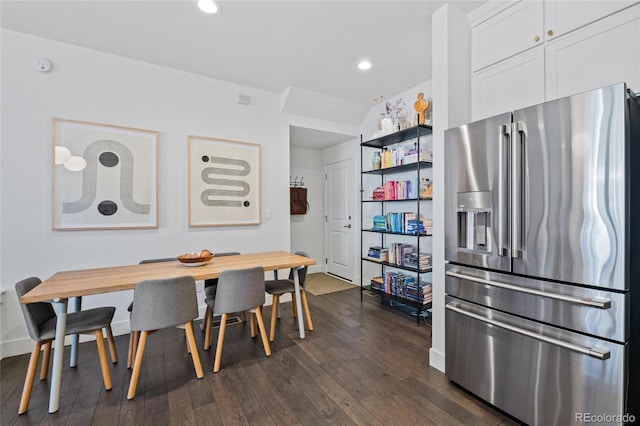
column 411, row 156
column 415, row 227
column 397, row 253
column 422, row 261
column 421, row 294
column 379, row 254
column 401, row 223
column 379, row 223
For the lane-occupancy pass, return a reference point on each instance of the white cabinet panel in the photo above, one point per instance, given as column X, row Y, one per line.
column 562, row 16
column 606, row 52
column 511, row 31
column 512, row 84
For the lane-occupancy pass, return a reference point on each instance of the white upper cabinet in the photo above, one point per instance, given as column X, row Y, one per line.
column 560, row 17
column 603, row 53
column 512, row 31
column 514, row 83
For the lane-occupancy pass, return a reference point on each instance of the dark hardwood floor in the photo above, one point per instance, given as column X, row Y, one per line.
column 363, row 364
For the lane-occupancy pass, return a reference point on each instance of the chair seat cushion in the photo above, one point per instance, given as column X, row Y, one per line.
column 279, row 286
column 80, row 322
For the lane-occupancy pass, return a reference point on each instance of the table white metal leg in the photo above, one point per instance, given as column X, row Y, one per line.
column 73, row 360
column 58, row 352
column 296, row 286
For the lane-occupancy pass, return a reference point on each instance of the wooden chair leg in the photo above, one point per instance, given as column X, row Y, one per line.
column 218, row 359
column 28, row 381
column 46, row 356
column 254, row 332
column 135, row 375
column 104, row 361
column 130, row 351
column 203, row 324
column 136, row 341
column 305, row 305
column 191, row 340
column 274, row 318
column 208, row 332
column 112, row 345
column 263, row 331
column 293, row 305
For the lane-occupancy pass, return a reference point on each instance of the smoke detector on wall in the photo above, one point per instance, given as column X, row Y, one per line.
column 43, row 65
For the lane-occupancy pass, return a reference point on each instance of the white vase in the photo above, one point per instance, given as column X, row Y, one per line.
column 387, row 125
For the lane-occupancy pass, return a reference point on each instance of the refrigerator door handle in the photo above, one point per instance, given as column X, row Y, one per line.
column 504, row 134
column 600, row 303
column 601, row 354
column 517, row 152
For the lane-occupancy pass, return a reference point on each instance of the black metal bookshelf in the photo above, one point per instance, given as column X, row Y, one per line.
column 414, row 168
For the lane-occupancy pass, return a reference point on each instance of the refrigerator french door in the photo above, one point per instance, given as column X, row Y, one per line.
column 540, row 243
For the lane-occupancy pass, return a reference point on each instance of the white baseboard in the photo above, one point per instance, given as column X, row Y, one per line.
column 436, row 359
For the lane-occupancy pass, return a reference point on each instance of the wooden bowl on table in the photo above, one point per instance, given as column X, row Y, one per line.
column 196, row 259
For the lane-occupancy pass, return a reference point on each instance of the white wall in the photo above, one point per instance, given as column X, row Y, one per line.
column 307, row 231
column 451, row 99
column 93, row 86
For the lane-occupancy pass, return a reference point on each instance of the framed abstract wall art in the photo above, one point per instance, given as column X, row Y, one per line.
column 104, row 177
column 224, row 182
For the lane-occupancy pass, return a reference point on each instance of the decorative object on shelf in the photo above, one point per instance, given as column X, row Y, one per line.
column 112, row 184
column 427, row 193
column 387, row 125
column 224, row 182
column 377, row 161
column 421, row 106
column 398, row 112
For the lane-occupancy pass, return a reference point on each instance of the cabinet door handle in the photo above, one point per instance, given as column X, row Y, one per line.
column 601, row 354
column 347, row 226
column 599, row 303
column 536, row 38
column 550, row 32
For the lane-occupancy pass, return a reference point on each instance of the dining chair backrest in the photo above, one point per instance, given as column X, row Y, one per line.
column 239, row 290
column 210, row 284
column 163, row 303
column 302, row 270
column 35, row 314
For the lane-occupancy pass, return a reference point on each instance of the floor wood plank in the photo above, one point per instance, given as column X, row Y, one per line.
column 363, row 364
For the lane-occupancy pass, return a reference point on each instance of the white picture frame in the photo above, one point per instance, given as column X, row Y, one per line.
column 104, row 176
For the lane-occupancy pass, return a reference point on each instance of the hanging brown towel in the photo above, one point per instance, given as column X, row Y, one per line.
column 298, row 200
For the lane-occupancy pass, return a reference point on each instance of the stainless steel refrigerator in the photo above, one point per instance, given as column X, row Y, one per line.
column 542, row 235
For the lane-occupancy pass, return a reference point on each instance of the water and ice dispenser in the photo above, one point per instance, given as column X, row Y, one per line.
column 474, row 220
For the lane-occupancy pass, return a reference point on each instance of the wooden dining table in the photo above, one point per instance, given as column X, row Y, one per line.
column 66, row 285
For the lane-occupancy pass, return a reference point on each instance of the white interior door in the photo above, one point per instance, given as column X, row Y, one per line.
column 340, row 219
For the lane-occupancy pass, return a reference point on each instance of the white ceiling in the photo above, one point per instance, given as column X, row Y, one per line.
column 314, row 46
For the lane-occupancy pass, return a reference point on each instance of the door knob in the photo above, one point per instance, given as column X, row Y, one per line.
column 347, row 226
column 550, row 32
column 536, row 38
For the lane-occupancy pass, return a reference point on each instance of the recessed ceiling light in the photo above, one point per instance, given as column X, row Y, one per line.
column 207, row 6
column 364, row 65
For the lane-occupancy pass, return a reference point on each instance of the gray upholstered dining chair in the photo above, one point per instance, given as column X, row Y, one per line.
column 163, row 303
column 240, row 290
column 41, row 318
column 277, row 288
column 135, row 336
column 210, row 287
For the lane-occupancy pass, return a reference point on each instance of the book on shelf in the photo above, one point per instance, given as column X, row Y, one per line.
column 404, row 286
column 402, row 223
column 411, row 156
column 421, row 261
column 379, row 254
